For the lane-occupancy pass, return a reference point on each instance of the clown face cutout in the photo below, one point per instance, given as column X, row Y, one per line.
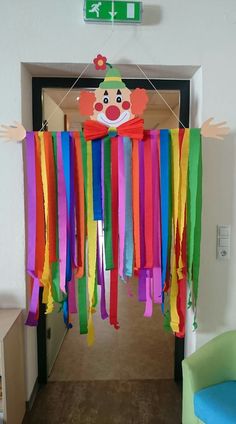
column 113, row 104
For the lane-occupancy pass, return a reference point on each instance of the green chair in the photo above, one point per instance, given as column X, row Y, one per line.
column 209, row 382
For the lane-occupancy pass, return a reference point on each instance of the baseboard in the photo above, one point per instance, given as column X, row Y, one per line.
column 30, row 402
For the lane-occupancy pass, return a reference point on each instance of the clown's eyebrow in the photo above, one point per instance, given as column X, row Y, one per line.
column 106, row 93
column 118, row 92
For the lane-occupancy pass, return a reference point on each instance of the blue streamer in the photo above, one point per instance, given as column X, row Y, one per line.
column 165, row 186
column 129, row 245
column 97, row 184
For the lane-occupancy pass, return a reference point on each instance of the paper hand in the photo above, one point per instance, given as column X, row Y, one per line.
column 216, row 131
column 14, row 132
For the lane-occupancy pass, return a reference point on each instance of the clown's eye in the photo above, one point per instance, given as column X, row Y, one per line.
column 106, row 99
column 118, row 99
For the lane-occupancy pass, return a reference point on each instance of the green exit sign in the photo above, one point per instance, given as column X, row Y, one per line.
column 113, row 11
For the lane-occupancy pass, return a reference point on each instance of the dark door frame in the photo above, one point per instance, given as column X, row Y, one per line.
column 38, row 84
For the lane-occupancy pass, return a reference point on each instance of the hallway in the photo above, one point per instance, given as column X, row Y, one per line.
column 126, row 377
column 108, row 402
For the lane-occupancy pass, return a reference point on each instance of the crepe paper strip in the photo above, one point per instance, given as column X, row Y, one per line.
column 81, row 154
column 165, row 188
column 40, row 223
column 175, row 193
column 170, row 228
column 142, row 286
column 115, row 240
column 46, row 278
column 129, row 246
column 51, row 179
column 107, row 204
column 32, row 319
column 72, row 296
column 74, row 262
column 31, row 202
column 149, row 286
column 121, row 188
column 65, row 142
column 82, row 303
column 193, row 175
column 62, row 215
column 31, row 227
column 142, row 272
column 97, row 186
column 182, row 293
column 80, row 204
column 101, row 277
column 148, row 200
column 56, row 293
column 135, row 197
column 102, row 178
column 66, row 316
column 197, row 233
column 92, row 243
column 157, row 285
column 184, row 143
column 95, row 294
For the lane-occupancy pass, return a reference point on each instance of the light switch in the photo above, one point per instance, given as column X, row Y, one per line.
column 223, row 242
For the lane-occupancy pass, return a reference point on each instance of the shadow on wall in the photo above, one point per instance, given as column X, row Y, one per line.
column 152, row 15
column 215, row 282
column 9, row 301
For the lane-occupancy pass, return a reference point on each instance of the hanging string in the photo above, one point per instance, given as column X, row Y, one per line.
column 63, row 98
column 158, row 92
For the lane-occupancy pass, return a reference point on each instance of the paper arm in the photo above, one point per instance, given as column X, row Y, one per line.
column 14, row 132
column 216, row 131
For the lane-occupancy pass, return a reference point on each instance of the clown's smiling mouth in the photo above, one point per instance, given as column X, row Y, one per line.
column 124, row 116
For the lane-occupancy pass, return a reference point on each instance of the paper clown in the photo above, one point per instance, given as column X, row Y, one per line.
column 114, row 198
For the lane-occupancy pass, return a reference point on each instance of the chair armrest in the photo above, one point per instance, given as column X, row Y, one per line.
column 213, row 363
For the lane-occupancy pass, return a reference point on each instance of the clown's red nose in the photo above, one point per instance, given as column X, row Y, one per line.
column 112, row 113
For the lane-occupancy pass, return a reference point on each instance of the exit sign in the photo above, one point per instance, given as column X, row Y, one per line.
column 113, row 11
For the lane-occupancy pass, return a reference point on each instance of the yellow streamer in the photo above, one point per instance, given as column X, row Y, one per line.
column 174, row 317
column 46, row 279
column 92, row 243
column 183, row 195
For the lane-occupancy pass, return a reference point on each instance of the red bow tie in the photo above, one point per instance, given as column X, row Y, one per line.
column 132, row 129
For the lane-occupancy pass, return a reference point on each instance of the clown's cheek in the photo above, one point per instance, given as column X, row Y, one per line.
column 126, row 105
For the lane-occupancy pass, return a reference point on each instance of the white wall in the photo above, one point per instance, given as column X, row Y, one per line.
column 185, row 32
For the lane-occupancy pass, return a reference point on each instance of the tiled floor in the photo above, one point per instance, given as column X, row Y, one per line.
column 125, row 378
column 140, row 349
column 108, row 402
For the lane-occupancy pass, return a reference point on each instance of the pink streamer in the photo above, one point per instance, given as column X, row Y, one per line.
column 157, row 285
column 72, row 296
column 121, row 173
column 62, row 215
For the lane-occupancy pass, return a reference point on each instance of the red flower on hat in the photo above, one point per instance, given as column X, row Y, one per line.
column 100, row 62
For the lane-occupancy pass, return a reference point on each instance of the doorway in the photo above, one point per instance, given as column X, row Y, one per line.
column 136, row 336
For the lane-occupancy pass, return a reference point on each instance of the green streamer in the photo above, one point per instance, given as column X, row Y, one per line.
column 82, row 303
column 56, row 293
column 194, row 211
column 82, row 282
column 95, row 296
column 197, row 233
column 107, row 204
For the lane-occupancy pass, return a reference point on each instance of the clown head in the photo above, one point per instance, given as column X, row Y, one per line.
column 113, row 103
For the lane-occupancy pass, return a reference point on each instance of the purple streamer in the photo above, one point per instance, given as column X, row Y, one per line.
column 31, row 226
column 72, row 202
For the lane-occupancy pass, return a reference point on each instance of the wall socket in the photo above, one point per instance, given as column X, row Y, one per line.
column 223, row 242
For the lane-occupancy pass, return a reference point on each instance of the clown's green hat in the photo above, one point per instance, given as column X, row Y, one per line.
column 112, row 80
